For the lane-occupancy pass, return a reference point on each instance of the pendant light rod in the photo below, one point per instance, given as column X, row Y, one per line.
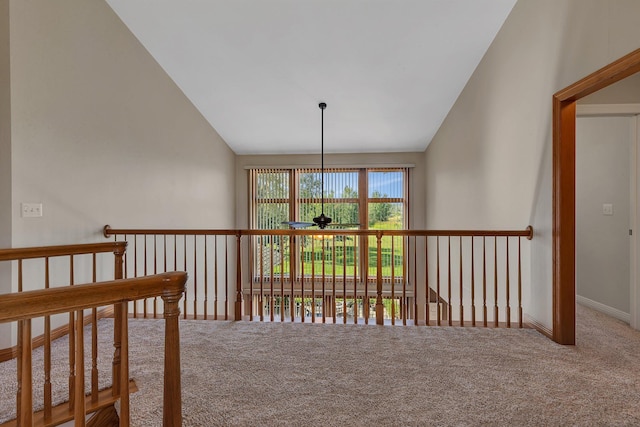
column 322, row 106
column 322, row 221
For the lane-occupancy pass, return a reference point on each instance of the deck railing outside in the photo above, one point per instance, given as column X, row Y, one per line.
column 420, row 277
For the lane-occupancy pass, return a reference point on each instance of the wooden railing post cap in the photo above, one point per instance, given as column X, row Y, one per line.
column 180, row 278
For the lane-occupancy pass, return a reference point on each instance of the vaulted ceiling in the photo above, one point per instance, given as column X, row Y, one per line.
column 389, row 70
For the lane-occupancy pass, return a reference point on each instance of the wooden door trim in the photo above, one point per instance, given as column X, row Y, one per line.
column 564, row 189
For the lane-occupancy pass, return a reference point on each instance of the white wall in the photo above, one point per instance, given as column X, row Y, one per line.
column 603, row 150
column 100, row 133
column 489, row 165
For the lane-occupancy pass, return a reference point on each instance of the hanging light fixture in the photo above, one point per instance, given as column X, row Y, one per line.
column 322, row 221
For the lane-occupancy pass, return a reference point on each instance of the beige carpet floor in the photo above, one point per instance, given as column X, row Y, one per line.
column 262, row 374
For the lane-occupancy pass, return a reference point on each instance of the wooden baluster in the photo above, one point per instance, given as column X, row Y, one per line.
column 271, row 279
column 508, row 293
column 94, row 343
column 405, row 308
column 520, row 325
column 393, row 287
column 206, row 280
column 215, row 278
column 135, row 272
column 126, row 270
column 184, row 264
column 313, row 280
column 438, row 308
column 164, row 251
column 238, row 309
column 484, row 282
column 292, row 277
column 172, row 409
column 47, row 349
column 118, row 314
column 461, row 290
column 302, row 278
column 379, row 305
column 473, row 283
column 282, row 275
column 261, row 296
column 415, row 282
column 427, row 288
column 365, row 280
column 19, row 355
column 72, row 341
column 355, row 279
column 146, row 273
column 495, row 281
column 25, row 392
column 123, row 379
column 344, row 279
column 449, row 305
column 253, row 245
column 195, row 276
column 333, row 277
column 226, row 278
column 79, row 404
column 155, row 271
column 324, row 310
column 175, row 252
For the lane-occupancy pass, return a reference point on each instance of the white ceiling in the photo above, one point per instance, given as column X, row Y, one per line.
column 389, row 70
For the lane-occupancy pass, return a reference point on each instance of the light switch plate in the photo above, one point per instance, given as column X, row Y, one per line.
column 607, row 209
column 31, row 210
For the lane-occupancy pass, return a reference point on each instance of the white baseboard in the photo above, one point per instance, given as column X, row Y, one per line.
column 613, row 312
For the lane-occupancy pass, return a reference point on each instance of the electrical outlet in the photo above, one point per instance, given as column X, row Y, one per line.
column 31, row 210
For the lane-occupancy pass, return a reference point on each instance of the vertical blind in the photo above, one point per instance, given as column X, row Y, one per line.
column 279, row 195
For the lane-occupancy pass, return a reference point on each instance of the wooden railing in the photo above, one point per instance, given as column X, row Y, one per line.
column 46, row 266
column 420, row 277
column 25, row 306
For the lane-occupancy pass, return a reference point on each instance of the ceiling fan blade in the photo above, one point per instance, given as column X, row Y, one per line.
column 344, row 225
column 298, row 224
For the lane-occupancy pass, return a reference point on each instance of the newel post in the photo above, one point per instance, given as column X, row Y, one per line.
column 238, row 310
column 172, row 409
column 379, row 306
column 118, row 309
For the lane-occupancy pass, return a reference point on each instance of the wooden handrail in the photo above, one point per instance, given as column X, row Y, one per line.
column 43, row 302
column 61, row 250
column 528, row 232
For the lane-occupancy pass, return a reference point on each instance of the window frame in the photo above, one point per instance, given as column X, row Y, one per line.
column 363, row 200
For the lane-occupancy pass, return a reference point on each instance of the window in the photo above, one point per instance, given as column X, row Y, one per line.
column 355, row 198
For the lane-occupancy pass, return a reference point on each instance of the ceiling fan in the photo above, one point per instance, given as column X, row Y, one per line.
column 321, row 221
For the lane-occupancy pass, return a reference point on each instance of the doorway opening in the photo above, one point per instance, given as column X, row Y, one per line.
column 606, row 171
column 564, row 194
